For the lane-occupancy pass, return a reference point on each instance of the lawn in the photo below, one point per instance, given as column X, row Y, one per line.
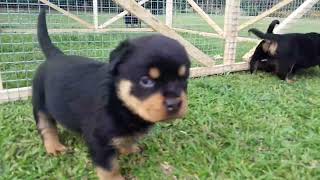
column 239, row 126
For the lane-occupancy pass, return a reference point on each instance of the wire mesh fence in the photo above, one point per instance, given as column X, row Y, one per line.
column 19, row 49
column 251, row 8
column 20, row 53
column 186, row 18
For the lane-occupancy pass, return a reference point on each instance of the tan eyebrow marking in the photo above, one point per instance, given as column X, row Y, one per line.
column 182, row 70
column 154, row 73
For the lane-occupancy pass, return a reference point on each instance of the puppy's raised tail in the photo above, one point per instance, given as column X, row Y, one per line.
column 272, row 25
column 45, row 42
column 261, row 35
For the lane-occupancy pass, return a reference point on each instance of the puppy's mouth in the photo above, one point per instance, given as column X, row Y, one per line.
column 176, row 108
column 166, row 110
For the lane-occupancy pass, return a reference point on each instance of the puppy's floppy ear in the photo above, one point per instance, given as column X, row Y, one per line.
column 118, row 55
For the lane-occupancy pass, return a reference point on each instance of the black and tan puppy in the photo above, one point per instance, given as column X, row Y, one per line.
column 261, row 58
column 132, row 20
column 113, row 104
column 291, row 52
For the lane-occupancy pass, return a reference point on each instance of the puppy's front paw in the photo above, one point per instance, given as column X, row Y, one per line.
column 290, row 81
column 113, row 174
column 130, row 150
column 54, row 148
column 119, row 177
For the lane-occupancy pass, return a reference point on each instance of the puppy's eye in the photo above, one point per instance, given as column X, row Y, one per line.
column 146, row 82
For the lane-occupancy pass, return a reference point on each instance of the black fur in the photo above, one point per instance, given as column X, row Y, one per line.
column 272, row 25
column 261, row 60
column 80, row 93
column 294, row 51
column 45, row 42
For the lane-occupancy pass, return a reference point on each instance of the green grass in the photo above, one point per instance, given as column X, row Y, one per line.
column 239, row 126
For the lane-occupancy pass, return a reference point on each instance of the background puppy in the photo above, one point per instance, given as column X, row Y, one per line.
column 113, row 104
column 261, row 58
column 132, row 20
column 291, row 52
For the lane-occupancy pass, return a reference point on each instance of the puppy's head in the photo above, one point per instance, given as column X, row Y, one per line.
column 151, row 77
column 263, row 59
column 267, row 65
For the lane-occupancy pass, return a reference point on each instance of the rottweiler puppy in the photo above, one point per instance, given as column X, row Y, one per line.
column 110, row 104
column 291, row 52
column 261, row 59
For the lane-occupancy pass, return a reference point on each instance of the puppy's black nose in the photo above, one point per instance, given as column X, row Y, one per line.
column 173, row 104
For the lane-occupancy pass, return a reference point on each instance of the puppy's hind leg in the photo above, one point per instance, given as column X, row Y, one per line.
column 46, row 125
column 49, row 133
column 284, row 71
column 318, row 61
column 290, row 75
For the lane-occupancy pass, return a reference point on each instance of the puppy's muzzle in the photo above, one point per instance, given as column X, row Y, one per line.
column 173, row 105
